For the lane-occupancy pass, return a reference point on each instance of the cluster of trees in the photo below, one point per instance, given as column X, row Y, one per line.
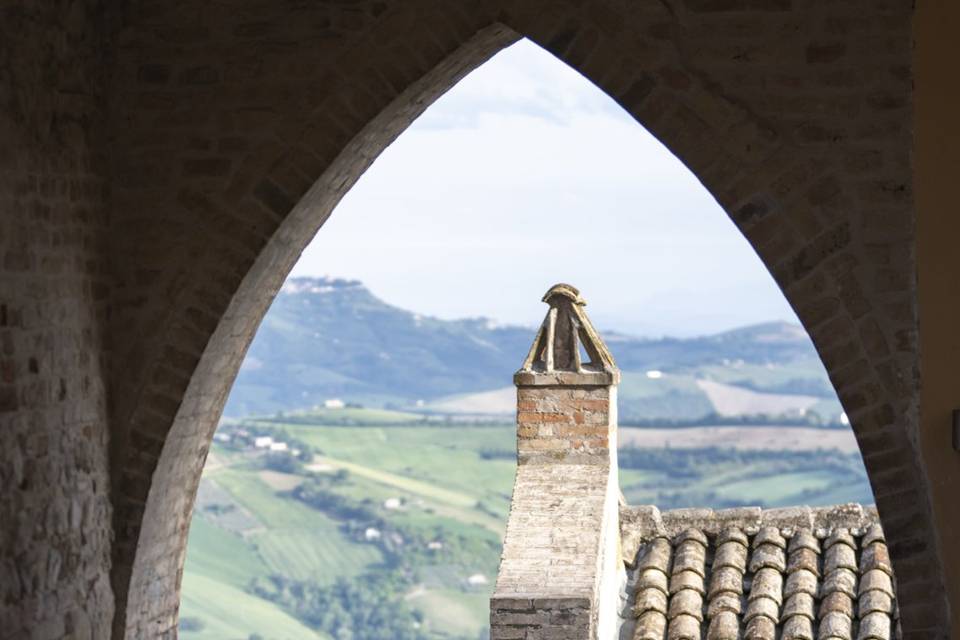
column 286, row 461
column 188, row 623
column 677, row 471
column 406, row 547
column 808, row 419
column 691, row 464
column 316, row 493
column 686, row 498
column 369, row 607
column 498, row 453
column 218, row 509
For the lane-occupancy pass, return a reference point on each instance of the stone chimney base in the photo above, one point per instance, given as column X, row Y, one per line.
column 561, row 567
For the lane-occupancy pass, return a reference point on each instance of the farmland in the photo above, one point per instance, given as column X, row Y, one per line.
column 381, row 510
column 438, row 496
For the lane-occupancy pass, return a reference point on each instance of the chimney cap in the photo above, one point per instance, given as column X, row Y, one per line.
column 567, row 290
column 554, row 358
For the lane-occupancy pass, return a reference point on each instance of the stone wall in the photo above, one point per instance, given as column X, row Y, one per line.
column 233, row 130
column 936, row 163
column 161, row 441
column 795, row 115
column 560, row 568
column 55, row 510
column 540, row 619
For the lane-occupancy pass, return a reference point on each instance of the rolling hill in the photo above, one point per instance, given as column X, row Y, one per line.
column 445, row 490
column 329, row 338
column 395, row 504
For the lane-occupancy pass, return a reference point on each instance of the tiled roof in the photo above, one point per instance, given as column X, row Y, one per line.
column 811, row 574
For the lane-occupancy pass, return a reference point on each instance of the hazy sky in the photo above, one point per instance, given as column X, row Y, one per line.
column 524, row 175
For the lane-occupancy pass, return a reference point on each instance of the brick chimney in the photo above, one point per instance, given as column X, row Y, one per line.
column 560, row 569
column 567, row 408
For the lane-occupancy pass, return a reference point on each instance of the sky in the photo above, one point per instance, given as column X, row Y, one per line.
column 523, row 175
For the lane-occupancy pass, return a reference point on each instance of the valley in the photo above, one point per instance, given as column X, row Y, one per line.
column 328, row 339
column 359, row 483
column 436, row 496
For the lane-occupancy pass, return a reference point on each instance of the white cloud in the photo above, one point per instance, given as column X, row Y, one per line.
column 524, row 79
column 523, row 175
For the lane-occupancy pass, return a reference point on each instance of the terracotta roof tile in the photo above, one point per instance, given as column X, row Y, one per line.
column 749, row 574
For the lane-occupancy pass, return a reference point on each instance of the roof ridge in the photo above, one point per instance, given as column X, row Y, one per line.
column 645, row 522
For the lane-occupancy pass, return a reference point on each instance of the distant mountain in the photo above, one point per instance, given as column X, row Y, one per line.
column 329, row 338
column 771, row 342
column 325, row 338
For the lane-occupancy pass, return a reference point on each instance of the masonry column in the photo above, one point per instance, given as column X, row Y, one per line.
column 560, row 572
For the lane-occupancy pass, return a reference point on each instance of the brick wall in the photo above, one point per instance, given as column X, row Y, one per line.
column 541, row 619
column 165, row 421
column 793, row 114
column 560, row 567
column 235, row 127
column 573, row 425
column 54, row 485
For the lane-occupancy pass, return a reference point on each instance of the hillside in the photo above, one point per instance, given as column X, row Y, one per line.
column 384, row 518
column 406, row 517
column 329, row 338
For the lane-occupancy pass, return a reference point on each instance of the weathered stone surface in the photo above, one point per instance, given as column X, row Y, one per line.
column 561, row 424
column 163, row 166
column 554, row 357
column 562, row 535
column 55, row 508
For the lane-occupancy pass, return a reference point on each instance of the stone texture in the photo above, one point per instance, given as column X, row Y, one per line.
column 55, row 533
column 163, row 165
column 561, row 542
column 566, row 425
column 554, row 359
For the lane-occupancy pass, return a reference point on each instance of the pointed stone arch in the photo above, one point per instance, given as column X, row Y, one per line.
column 791, row 114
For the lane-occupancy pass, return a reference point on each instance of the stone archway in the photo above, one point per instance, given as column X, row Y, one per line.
column 238, row 131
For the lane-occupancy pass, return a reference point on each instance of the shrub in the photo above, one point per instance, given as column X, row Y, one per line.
column 191, row 624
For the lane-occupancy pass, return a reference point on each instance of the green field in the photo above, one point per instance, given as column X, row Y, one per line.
column 453, row 484
column 726, row 478
column 227, row 612
column 453, row 612
column 348, row 417
column 245, row 528
column 769, row 377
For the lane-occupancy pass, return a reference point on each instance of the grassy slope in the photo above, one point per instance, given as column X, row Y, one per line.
column 759, row 484
column 297, row 541
column 453, row 612
column 439, row 469
column 292, row 539
column 441, row 475
column 221, row 555
column 229, row 612
column 219, row 563
column 442, row 457
column 764, row 375
column 643, row 398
